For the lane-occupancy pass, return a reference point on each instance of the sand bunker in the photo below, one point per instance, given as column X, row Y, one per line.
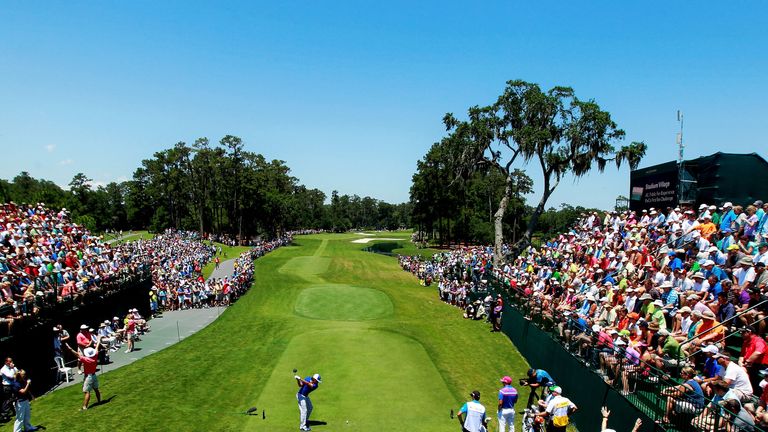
column 370, row 239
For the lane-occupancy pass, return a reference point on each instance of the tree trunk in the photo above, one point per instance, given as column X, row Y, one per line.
column 525, row 240
column 498, row 225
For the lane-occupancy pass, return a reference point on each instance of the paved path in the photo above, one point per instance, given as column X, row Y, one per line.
column 225, row 269
column 167, row 330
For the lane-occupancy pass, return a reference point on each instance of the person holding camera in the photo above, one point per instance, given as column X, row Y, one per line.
column 22, row 396
column 536, row 378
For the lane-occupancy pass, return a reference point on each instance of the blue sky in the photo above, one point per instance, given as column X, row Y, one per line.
column 351, row 94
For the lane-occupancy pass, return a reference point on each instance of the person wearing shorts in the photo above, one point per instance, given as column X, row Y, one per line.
column 89, row 359
column 686, row 398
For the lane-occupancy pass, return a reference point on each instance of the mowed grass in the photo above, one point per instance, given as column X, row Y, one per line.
column 393, row 357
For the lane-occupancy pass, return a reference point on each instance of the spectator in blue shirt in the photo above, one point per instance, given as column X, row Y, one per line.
column 728, row 217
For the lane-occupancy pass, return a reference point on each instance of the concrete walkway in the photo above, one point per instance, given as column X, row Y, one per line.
column 166, row 330
column 225, row 269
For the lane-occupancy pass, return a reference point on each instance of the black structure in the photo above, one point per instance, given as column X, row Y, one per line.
column 713, row 179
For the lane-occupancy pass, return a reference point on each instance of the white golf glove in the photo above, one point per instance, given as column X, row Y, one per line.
column 297, row 377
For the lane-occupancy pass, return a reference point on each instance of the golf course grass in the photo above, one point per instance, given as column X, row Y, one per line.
column 392, row 356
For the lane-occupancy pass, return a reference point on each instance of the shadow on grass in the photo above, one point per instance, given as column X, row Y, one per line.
column 103, row 401
column 316, row 423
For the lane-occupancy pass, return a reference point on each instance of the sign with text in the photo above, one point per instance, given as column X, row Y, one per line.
column 653, row 188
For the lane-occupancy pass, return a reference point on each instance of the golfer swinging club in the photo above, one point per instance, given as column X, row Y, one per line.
column 306, row 386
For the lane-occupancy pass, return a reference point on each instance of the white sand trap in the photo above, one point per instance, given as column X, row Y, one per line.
column 370, row 239
column 366, row 234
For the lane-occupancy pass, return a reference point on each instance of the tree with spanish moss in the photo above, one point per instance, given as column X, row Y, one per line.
column 554, row 129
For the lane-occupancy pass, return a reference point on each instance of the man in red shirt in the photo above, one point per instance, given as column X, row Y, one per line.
column 754, row 355
column 84, row 340
column 89, row 359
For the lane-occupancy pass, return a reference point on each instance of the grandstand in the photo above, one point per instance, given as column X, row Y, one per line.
column 623, row 303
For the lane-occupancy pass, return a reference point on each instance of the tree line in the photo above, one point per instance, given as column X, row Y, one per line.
column 211, row 188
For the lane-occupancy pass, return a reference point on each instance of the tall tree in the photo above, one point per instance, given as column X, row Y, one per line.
column 561, row 133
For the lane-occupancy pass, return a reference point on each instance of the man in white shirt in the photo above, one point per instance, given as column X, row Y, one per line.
column 762, row 254
column 745, row 274
column 8, row 373
column 736, row 377
column 559, row 409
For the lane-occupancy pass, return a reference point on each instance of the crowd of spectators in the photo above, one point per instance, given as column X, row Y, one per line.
column 675, row 292
column 46, row 259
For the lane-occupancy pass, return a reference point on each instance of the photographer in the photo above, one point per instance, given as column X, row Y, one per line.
column 536, row 378
column 22, row 396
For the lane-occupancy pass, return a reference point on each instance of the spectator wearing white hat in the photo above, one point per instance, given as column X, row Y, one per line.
column 84, row 340
column 559, row 409
column 728, row 218
column 735, row 376
column 657, row 315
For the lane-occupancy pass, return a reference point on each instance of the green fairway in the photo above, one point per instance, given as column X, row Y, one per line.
column 392, row 356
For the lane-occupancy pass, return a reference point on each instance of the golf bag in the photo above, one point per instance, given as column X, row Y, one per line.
column 531, row 423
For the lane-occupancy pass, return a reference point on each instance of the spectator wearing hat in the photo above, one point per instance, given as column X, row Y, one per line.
column 506, row 408
column 711, row 370
column 744, row 274
column 700, row 283
column 682, row 322
column 735, row 377
column 707, row 227
column 728, row 218
column 710, row 330
column 91, row 381
column 710, row 269
column 643, row 305
column 130, row 331
column 559, row 409
column 657, row 316
column 84, row 340
column 693, row 329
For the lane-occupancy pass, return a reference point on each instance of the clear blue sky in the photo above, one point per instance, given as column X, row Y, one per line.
column 351, row 94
